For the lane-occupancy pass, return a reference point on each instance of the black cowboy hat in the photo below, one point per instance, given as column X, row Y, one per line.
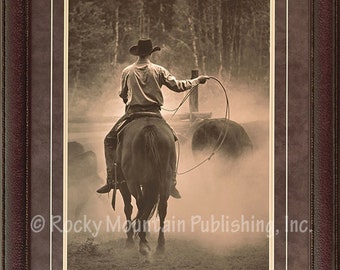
column 143, row 48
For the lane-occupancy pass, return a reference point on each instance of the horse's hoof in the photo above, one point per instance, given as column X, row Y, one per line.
column 144, row 249
column 146, row 260
column 160, row 250
column 129, row 243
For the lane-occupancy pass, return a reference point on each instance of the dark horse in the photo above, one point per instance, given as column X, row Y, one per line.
column 148, row 161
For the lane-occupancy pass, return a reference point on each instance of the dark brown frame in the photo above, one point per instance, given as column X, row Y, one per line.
column 324, row 118
column 324, row 134
column 15, row 134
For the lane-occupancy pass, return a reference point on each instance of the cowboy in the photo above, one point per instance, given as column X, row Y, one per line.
column 141, row 92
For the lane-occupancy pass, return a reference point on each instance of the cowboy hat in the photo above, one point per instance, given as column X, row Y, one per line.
column 143, row 48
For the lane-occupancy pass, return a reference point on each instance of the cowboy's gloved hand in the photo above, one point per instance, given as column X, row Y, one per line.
column 203, row 78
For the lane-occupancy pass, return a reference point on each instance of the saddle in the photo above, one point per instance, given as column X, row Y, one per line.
column 132, row 116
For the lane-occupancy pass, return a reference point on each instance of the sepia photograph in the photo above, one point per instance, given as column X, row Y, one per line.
column 168, row 134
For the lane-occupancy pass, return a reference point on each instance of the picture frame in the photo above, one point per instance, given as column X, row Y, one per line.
column 306, row 133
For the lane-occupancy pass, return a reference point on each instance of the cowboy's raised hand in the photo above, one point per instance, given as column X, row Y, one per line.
column 203, row 78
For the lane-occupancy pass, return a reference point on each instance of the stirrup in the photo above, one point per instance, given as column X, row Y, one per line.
column 104, row 189
column 107, row 187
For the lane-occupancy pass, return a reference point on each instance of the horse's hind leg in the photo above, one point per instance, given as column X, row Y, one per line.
column 128, row 212
column 144, row 247
column 162, row 210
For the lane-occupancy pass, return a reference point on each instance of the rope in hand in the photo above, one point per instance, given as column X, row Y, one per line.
column 221, row 137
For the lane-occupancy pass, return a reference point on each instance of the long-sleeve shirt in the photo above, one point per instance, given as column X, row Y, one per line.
column 142, row 82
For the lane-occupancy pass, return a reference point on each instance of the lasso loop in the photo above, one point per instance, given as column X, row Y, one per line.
column 221, row 137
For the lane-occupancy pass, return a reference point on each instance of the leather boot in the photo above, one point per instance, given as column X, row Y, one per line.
column 104, row 189
column 173, row 190
column 109, row 183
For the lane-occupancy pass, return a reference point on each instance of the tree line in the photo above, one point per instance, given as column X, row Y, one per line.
column 226, row 38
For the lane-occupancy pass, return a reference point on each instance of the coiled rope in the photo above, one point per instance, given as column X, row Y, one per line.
column 221, row 137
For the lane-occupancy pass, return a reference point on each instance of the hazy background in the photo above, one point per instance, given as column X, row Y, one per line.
column 224, row 38
column 220, row 186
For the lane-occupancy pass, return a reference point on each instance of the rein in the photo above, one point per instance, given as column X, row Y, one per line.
column 221, row 137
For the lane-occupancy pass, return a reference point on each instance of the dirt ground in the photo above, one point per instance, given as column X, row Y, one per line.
column 220, row 189
column 179, row 254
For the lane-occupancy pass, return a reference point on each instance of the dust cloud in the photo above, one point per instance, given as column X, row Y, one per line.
column 231, row 193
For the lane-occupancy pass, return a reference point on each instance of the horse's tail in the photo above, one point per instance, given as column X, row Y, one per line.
column 151, row 189
column 152, row 155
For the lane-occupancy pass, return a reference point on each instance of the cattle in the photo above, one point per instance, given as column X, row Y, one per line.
column 81, row 163
column 208, row 136
column 83, row 178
